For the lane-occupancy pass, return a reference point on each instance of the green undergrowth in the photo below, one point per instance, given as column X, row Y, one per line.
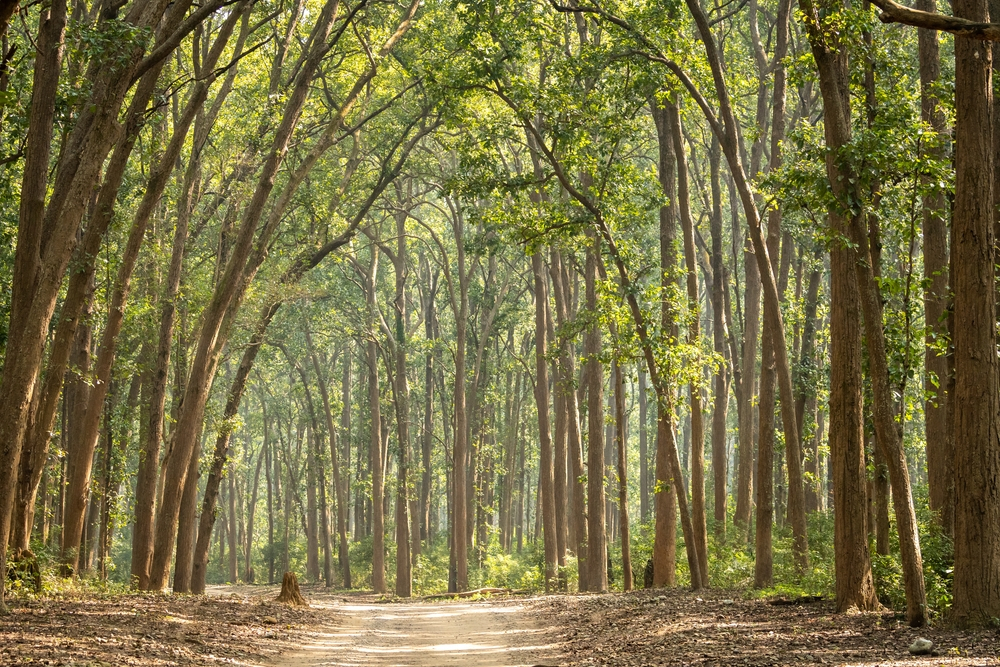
column 731, row 565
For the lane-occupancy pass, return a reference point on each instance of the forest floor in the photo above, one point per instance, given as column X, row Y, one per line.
column 242, row 626
column 677, row 627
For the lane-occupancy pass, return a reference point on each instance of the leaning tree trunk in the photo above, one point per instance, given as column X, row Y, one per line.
column 41, row 259
column 149, row 454
column 226, row 292
column 772, row 298
column 832, row 65
column 80, row 468
column 44, row 406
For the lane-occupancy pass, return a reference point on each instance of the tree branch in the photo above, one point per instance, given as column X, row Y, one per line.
column 893, row 12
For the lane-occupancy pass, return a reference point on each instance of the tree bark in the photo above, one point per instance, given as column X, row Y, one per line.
column 622, row 476
column 186, row 525
column 149, row 454
column 342, row 551
column 720, row 409
column 427, row 436
column 976, row 409
column 698, row 509
column 47, row 234
column 855, row 587
column 597, row 577
column 375, row 443
column 345, row 424
column 668, row 477
column 230, row 289
column 80, row 465
column 566, row 385
column 806, row 378
column 546, row 474
column 404, row 581
column 560, row 410
column 231, row 528
column 643, row 449
column 940, row 447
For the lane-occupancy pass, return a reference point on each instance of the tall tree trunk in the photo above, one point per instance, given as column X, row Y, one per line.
column 312, row 511
column 622, row 475
column 47, row 234
column 566, row 385
column 763, row 551
column 805, row 401
column 186, row 525
column 345, row 424
column 643, row 449
column 838, row 132
column 597, row 577
column 221, row 453
column 231, row 528
column 271, row 478
column 80, row 465
column 720, row 409
column 149, row 453
column 375, row 443
column 324, row 508
column 427, row 437
column 940, row 447
column 977, row 454
column 248, row 571
column 107, row 477
column 460, row 452
column 558, row 452
column 404, row 583
column 728, row 133
column 342, row 550
column 698, row 510
column 546, row 473
column 745, row 398
column 855, row 587
column 669, row 482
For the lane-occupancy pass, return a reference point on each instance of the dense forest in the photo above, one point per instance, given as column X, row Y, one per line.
column 568, row 295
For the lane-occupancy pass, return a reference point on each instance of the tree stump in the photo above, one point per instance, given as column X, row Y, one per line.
column 290, row 593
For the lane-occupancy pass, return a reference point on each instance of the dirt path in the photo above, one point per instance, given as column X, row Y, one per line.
column 485, row 634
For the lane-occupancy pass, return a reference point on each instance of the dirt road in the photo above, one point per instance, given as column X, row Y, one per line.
column 484, row 634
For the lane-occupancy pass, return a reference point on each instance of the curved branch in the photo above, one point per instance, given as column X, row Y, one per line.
column 893, row 12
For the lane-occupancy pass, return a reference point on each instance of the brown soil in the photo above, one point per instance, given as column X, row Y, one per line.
column 148, row 630
column 673, row 627
column 243, row 625
column 371, row 633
